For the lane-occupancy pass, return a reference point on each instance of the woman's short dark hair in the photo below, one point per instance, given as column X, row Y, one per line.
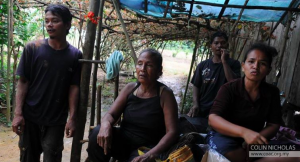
column 156, row 55
column 269, row 51
column 218, row 34
column 61, row 11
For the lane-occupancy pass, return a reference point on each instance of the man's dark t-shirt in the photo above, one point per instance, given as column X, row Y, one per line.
column 209, row 77
column 50, row 74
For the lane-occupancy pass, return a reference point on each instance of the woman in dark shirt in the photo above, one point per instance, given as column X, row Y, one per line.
column 246, row 110
column 149, row 117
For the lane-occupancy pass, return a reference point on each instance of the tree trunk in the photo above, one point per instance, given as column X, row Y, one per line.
column 88, row 49
column 9, row 47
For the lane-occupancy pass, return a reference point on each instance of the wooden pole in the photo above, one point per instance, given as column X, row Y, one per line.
column 191, row 67
column 282, row 48
column 166, row 10
column 222, row 10
column 95, row 67
column 9, row 51
column 146, row 6
column 88, row 49
column 191, row 10
column 99, row 91
column 133, row 55
column 116, row 87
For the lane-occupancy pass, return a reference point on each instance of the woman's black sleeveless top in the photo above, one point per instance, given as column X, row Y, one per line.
column 143, row 119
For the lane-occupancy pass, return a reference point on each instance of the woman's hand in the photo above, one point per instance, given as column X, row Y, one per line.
column 104, row 137
column 252, row 137
column 144, row 158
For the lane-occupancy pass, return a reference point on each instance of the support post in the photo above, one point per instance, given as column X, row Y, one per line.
column 9, row 52
column 88, row 49
column 191, row 67
column 99, row 92
column 116, row 87
column 133, row 55
column 95, row 67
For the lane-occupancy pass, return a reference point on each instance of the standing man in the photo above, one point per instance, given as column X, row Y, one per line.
column 211, row 74
column 48, row 86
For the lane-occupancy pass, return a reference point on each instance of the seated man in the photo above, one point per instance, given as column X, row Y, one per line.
column 211, row 74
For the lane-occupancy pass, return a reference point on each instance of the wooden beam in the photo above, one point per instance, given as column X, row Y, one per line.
column 222, row 10
column 133, row 55
column 91, row 61
column 241, row 6
column 191, row 10
column 166, row 10
column 146, row 6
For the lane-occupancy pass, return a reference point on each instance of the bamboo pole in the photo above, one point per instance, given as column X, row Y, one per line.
column 133, row 55
column 191, row 67
column 88, row 49
column 9, row 51
column 282, row 48
column 95, row 67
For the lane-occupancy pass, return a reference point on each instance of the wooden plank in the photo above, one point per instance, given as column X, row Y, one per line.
column 294, row 95
column 289, row 62
column 282, row 48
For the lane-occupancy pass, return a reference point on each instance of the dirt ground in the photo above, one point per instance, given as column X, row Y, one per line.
column 175, row 72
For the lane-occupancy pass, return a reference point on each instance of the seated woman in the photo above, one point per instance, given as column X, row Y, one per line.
column 246, row 110
column 149, row 117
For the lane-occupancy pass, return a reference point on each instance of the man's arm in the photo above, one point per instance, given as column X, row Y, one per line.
column 229, row 73
column 18, row 121
column 73, row 103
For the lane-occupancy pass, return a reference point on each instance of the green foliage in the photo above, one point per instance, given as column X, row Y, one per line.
column 3, row 119
column 175, row 53
column 188, row 101
column 129, row 80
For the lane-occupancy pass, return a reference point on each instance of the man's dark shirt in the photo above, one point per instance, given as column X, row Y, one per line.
column 50, row 74
column 233, row 103
column 209, row 77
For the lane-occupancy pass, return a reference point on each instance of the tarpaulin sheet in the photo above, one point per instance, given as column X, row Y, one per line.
column 156, row 9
